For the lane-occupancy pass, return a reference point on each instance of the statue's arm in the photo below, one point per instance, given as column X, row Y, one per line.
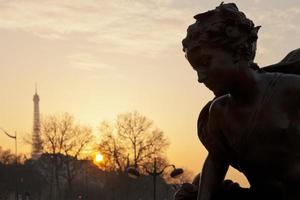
column 215, row 165
column 212, row 176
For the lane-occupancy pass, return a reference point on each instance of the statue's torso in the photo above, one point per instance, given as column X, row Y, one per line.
column 261, row 139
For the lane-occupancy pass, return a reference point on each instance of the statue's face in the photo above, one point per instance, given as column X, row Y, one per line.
column 216, row 68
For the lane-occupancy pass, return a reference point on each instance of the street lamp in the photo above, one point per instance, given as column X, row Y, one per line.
column 134, row 173
column 12, row 137
column 16, row 156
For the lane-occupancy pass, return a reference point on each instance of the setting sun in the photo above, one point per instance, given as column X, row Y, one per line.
column 99, row 158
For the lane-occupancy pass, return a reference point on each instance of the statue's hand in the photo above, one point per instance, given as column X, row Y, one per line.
column 228, row 190
column 187, row 191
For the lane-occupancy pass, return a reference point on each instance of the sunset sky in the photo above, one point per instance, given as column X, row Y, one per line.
column 98, row 58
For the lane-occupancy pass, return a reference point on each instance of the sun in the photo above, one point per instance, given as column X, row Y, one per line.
column 99, row 158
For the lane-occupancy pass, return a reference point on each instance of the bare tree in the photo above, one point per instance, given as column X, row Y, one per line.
column 65, row 140
column 132, row 139
column 112, row 148
column 6, row 157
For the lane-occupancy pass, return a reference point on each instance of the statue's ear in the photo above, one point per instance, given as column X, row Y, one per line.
column 256, row 29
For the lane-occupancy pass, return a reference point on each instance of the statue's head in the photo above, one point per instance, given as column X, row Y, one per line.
column 224, row 27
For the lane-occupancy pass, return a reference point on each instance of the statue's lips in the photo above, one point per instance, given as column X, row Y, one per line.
column 210, row 85
column 202, row 74
column 206, row 81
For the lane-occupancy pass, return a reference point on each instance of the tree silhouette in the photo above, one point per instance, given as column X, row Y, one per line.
column 131, row 140
column 65, row 140
column 112, row 148
column 6, row 156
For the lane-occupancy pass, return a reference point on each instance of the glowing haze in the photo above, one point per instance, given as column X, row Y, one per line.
column 95, row 59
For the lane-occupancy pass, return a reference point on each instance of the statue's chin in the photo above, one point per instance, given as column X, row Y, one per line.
column 219, row 93
column 216, row 89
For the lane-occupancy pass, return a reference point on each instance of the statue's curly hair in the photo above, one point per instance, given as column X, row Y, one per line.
column 225, row 27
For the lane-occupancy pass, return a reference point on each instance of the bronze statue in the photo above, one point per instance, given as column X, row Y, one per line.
column 253, row 123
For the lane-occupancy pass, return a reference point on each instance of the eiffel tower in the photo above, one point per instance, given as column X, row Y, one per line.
column 36, row 138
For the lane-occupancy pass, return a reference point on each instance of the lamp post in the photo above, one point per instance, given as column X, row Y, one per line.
column 16, row 157
column 12, row 137
column 134, row 173
column 88, row 163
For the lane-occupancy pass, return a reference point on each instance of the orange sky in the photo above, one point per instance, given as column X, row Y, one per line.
column 96, row 59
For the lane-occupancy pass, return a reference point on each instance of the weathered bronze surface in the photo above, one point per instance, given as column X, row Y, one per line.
column 253, row 123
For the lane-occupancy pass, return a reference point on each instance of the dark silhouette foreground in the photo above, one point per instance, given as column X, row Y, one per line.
column 252, row 124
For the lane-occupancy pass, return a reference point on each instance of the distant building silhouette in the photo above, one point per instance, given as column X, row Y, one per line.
column 36, row 132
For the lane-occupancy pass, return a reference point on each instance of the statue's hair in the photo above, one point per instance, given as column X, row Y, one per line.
column 224, row 27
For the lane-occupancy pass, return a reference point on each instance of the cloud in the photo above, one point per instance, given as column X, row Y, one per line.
column 129, row 26
column 134, row 27
column 281, row 19
column 280, row 32
column 94, row 67
column 88, row 62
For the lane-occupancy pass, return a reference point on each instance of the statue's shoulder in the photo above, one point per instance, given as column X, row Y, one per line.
column 219, row 104
column 213, row 107
column 208, row 122
column 210, row 112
